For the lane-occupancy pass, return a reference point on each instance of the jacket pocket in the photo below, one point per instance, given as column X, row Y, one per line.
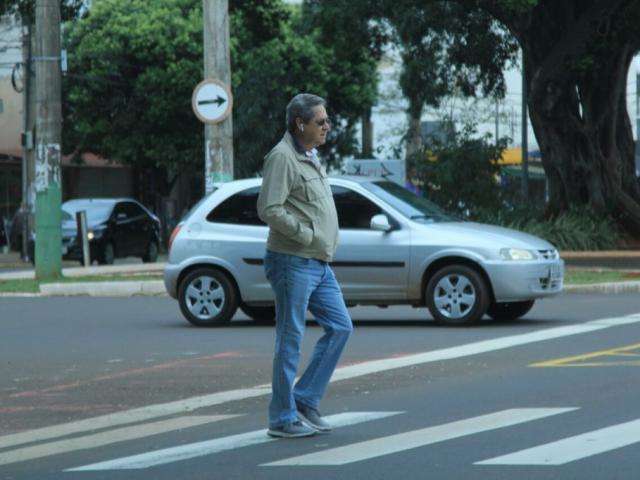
column 313, row 185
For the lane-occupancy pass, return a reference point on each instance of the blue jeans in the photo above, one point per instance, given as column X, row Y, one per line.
column 300, row 284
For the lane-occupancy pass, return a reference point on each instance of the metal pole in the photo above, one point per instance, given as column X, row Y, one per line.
column 24, row 205
column 83, row 239
column 48, row 254
column 525, row 133
column 217, row 64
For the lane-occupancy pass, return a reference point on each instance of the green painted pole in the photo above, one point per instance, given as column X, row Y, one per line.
column 48, row 251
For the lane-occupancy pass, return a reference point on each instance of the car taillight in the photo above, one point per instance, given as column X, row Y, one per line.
column 174, row 234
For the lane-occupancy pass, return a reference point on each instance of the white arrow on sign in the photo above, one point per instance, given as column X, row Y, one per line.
column 211, row 101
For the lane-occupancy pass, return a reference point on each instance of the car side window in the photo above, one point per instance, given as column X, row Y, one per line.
column 135, row 210
column 354, row 210
column 119, row 212
column 240, row 209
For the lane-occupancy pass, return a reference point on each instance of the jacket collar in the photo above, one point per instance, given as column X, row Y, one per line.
column 291, row 142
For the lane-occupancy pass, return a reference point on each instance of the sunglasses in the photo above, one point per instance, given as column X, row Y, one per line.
column 323, row 122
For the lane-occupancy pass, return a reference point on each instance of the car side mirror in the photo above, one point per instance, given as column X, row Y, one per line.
column 380, row 222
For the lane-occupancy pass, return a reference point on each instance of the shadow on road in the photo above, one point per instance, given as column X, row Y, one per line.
column 427, row 323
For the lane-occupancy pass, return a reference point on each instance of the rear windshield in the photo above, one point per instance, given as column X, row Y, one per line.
column 196, row 206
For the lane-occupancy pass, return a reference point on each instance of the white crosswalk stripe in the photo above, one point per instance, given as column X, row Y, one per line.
column 216, row 445
column 573, row 448
column 418, row 438
column 106, row 438
column 150, row 412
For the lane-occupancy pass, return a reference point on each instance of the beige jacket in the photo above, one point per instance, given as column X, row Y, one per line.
column 296, row 202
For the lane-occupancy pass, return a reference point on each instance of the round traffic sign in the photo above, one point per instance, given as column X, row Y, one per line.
column 211, row 101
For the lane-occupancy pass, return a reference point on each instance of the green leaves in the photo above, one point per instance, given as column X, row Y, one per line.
column 134, row 63
column 460, row 173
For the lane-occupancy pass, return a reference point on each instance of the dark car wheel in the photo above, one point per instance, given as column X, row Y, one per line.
column 509, row 310
column 151, row 253
column 207, row 297
column 108, row 255
column 262, row 315
column 457, row 295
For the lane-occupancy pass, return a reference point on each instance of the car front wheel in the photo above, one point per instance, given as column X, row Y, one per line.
column 457, row 295
column 509, row 310
column 207, row 297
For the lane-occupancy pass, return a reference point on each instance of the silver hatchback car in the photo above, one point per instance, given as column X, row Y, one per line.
column 394, row 248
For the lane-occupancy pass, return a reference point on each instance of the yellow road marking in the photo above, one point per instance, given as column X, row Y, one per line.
column 577, row 360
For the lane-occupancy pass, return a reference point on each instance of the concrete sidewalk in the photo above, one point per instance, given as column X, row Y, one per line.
column 133, row 269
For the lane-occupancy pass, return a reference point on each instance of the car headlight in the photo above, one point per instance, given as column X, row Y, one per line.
column 517, row 254
column 91, row 234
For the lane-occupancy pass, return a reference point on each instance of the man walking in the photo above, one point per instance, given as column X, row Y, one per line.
column 296, row 202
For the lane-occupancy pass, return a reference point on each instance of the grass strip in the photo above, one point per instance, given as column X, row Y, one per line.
column 586, row 277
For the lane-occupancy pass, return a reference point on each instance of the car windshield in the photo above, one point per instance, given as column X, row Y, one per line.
column 408, row 203
column 96, row 213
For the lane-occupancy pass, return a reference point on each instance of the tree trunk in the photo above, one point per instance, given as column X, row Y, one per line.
column 367, row 134
column 585, row 136
column 414, row 132
column 578, row 54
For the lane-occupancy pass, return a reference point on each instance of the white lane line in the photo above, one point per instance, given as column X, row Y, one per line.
column 482, row 346
column 573, row 448
column 342, row 373
column 106, row 438
column 418, row 438
column 209, row 447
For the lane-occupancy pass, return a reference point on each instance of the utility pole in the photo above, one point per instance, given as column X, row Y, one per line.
column 525, row 133
column 27, row 147
column 48, row 251
column 218, row 138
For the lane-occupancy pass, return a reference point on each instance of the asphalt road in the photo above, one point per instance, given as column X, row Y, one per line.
column 85, row 381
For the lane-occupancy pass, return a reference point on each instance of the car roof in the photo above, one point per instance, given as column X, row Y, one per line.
column 98, row 201
column 256, row 181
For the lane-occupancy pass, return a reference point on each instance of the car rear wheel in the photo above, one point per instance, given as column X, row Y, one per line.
column 457, row 295
column 107, row 255
column 151, row 253
column 207, row 297
column 509, row 310
column 262, row 315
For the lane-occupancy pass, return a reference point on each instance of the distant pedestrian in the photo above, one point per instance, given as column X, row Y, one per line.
column 296, row 202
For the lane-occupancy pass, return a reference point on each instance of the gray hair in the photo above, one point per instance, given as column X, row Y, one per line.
column 302, row 106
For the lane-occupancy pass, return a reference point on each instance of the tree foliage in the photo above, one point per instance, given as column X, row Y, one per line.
column 69, row 9
column 134, row 63
column 577, row 56
column 447, row 50
column 460, row 172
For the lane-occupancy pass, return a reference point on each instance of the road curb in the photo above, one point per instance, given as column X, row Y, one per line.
column 156, row 288
column 609, row 288
column 105, row 289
